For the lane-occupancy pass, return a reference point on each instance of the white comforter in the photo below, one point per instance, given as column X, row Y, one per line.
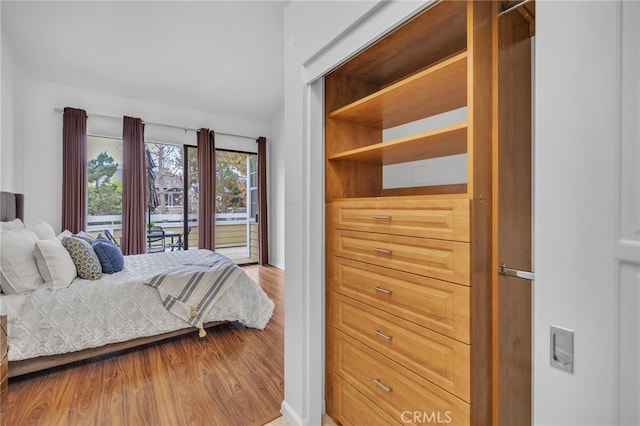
column 117, row 308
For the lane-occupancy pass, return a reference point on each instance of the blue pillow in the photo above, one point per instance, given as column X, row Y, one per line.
column 109, row 254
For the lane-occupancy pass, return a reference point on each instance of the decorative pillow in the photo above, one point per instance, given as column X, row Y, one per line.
column 42, row 229
column 11, row 225
column 109, row 254
column 84, row 236
column 18, row 268
column 55, row 263
column 86, row 261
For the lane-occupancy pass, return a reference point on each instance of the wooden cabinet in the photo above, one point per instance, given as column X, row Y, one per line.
column 408, row 282
column 4, row 365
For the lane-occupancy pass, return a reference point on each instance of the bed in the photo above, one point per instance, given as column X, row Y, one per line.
column 48, row 328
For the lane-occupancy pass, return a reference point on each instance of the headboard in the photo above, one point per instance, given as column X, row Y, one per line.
column 11, row 206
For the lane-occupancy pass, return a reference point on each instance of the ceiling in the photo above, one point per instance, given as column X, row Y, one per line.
column 223, row 57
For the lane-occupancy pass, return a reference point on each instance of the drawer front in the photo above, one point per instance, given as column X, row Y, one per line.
column 438, row 305
column 440, row 359
column 4, row 364
column 392, row 387
column 441, row 219
column 445, row 260
column 354, row 409
column 3, row 335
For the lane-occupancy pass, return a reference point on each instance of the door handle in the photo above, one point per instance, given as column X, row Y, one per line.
column 510, row 272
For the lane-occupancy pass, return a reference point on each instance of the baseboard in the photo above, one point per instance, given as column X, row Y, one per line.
column 278, row 265
column 292, row 417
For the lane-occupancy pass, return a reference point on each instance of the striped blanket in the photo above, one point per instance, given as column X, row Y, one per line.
column 190, row 291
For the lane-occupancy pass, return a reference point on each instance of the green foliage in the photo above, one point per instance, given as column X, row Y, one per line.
column 103, row 166
column 104, row 192
column 231, row 181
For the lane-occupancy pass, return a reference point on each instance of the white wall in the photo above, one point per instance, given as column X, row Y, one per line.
column 309, row 26
column 11, row 178
column 42, row 139
column 579, row 171
column 447, row 170
column 276, row 153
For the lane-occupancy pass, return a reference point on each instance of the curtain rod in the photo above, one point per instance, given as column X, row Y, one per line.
column 91, row 114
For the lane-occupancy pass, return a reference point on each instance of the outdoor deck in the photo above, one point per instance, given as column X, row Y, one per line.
column 233, row 239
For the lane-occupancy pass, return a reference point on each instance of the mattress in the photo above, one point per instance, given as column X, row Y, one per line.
column 116, row 308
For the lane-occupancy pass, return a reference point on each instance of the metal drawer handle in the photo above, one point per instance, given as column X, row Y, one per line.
column 381, row 250
column 382, row 290
column 381, row 217
column 382, row 386
column 384, row 336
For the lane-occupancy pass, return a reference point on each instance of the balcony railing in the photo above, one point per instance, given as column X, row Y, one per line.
column 115, row 221
column 231, row 228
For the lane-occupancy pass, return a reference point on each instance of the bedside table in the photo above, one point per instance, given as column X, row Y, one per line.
column 4, row 364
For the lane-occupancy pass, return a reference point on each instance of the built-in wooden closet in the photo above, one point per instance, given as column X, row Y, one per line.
column 410, row 318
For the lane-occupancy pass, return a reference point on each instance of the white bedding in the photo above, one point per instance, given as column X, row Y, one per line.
column 117, row 308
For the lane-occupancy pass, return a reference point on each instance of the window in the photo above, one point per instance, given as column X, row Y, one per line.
column 173, row 170
column 253, row 187
column 170, row 209
column 104, row 184
column 168, row 173
column 236, row 205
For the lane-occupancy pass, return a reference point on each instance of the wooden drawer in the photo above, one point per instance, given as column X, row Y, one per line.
column 4, row 364
column 438, row 305
column 392, row 387
column 445, row 260
column 440, row 359
column 441, row 219
column 354, row 409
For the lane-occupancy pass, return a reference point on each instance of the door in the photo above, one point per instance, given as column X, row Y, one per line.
column 512, row 222
column 236, row 205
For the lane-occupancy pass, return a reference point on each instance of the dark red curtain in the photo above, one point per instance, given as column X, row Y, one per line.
column 207, row 184
column 74, row 169
column 263, row 224
column 134, row 232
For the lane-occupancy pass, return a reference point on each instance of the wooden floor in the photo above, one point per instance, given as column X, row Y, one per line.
column 232, row 376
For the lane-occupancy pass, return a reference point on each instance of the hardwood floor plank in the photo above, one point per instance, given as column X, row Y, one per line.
column 232, row 376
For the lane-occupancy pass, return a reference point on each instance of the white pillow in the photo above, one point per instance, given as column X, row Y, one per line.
column 18, row 268
column 12, row 224
column 65, row 233
column 42, row 229
column 55, row 263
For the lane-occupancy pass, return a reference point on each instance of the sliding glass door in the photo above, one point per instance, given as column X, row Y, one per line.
column 236, row 205
column 173, row 196
column 169, row 200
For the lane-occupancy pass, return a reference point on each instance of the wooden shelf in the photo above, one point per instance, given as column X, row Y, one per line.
column 439, row 88
column 448, row 140
column 411, row 48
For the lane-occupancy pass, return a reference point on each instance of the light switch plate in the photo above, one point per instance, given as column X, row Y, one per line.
column 562, row 348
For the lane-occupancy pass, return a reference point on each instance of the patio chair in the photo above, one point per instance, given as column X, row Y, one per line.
column 179, row 244
column 110, row 237
column 155, row 240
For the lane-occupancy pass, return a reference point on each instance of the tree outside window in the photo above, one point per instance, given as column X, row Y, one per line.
column 104, row 177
